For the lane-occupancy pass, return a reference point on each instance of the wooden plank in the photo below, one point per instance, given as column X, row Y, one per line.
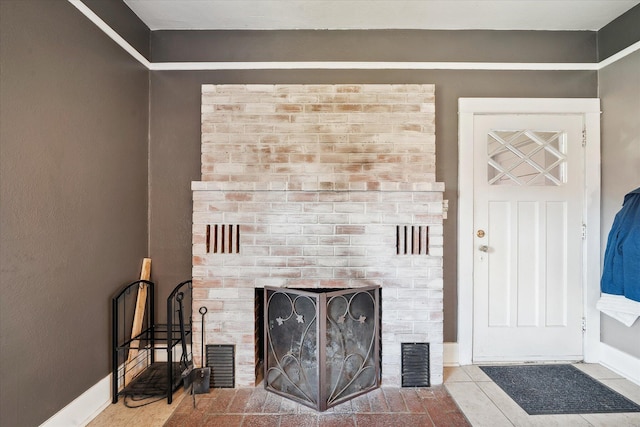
column 138, row 320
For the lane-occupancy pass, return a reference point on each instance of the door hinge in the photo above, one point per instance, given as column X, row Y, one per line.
column 584, row 325
column 584, row 231
column 584, row 137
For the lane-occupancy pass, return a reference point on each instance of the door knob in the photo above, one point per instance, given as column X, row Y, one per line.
column 484, row 248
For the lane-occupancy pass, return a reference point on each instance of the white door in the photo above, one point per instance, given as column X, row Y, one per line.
column 528, row 237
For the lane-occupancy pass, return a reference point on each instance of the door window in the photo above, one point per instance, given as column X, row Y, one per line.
column 526, row 157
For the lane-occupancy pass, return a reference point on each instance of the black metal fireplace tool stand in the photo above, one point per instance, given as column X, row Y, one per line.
column 146, row 377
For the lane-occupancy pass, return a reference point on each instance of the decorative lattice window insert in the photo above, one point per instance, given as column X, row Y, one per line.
column 527, row 157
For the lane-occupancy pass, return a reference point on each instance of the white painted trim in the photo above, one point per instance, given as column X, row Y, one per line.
column 450, row 356
column 92, row 402
column 78, row 4
column 592, row 247
column 85, row 407
column 465, row 235
column 468, row 108
column 348, row 65
column 371, row 65
column 529, row 105
column 620, row 362
column 618, row 56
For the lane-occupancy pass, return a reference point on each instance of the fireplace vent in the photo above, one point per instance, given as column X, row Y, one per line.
column 221, row 360
column 415, row 365
column 412, row 240
column 223, row 239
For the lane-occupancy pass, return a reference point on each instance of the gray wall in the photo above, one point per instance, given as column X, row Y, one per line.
column 175, row 146
column 117, row 15
column 374, row 45
column 620, row 97
column 619, row 33
column 175, row 98
column 73, row 201
column 73, row 161
column 175, row 106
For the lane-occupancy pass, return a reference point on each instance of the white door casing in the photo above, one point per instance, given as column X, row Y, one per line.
column 476, row 113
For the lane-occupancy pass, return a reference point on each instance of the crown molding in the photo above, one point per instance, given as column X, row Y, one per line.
column 346, row 65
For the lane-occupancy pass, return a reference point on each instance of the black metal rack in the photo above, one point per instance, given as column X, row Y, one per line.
column 142, row 375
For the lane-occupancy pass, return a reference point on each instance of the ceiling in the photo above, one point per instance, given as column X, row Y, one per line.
column 378, row 14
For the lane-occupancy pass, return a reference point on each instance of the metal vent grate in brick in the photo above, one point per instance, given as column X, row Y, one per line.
column 412, row 240
column 221, row 359
column 223, row 239
column 415, row 365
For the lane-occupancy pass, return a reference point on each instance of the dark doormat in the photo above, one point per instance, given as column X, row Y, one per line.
column 557, row 389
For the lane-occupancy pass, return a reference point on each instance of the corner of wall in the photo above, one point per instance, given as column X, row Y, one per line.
column 620, row 362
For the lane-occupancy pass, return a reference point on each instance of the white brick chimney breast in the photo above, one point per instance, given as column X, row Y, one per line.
column 319, row 186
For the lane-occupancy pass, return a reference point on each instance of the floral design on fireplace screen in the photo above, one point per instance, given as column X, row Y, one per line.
column 322, row 345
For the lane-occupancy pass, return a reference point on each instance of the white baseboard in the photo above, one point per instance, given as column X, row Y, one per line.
column 620, row 362
column 450, row 354
column 84, row 408
column 89, row 404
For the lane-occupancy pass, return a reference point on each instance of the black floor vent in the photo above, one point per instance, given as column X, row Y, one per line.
column 221, row 360
column 415, row 365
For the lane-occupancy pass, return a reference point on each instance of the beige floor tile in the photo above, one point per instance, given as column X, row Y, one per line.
column 476, row 405
column 113, row 415
column 519, row 416
column 617, row 420
column 456, row 374
column 151, row 415
column 476, row 373
column 625, row 387
column 597, row 371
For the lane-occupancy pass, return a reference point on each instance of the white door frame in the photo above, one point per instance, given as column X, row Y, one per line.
column 590, row 109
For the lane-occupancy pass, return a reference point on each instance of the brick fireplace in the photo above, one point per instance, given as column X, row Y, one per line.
column 319, row 186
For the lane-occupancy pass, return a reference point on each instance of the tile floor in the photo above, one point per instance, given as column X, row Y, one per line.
column 485, row 404
column 469, row 390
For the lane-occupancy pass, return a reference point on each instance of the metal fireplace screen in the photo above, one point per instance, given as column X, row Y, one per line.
column 322, row 345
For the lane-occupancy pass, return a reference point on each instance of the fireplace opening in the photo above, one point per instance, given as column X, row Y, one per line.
column 321, row 345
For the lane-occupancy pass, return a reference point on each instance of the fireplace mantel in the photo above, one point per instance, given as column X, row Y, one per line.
column 382, row 186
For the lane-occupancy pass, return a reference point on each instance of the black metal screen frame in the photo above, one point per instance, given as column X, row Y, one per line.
column 326, row 395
